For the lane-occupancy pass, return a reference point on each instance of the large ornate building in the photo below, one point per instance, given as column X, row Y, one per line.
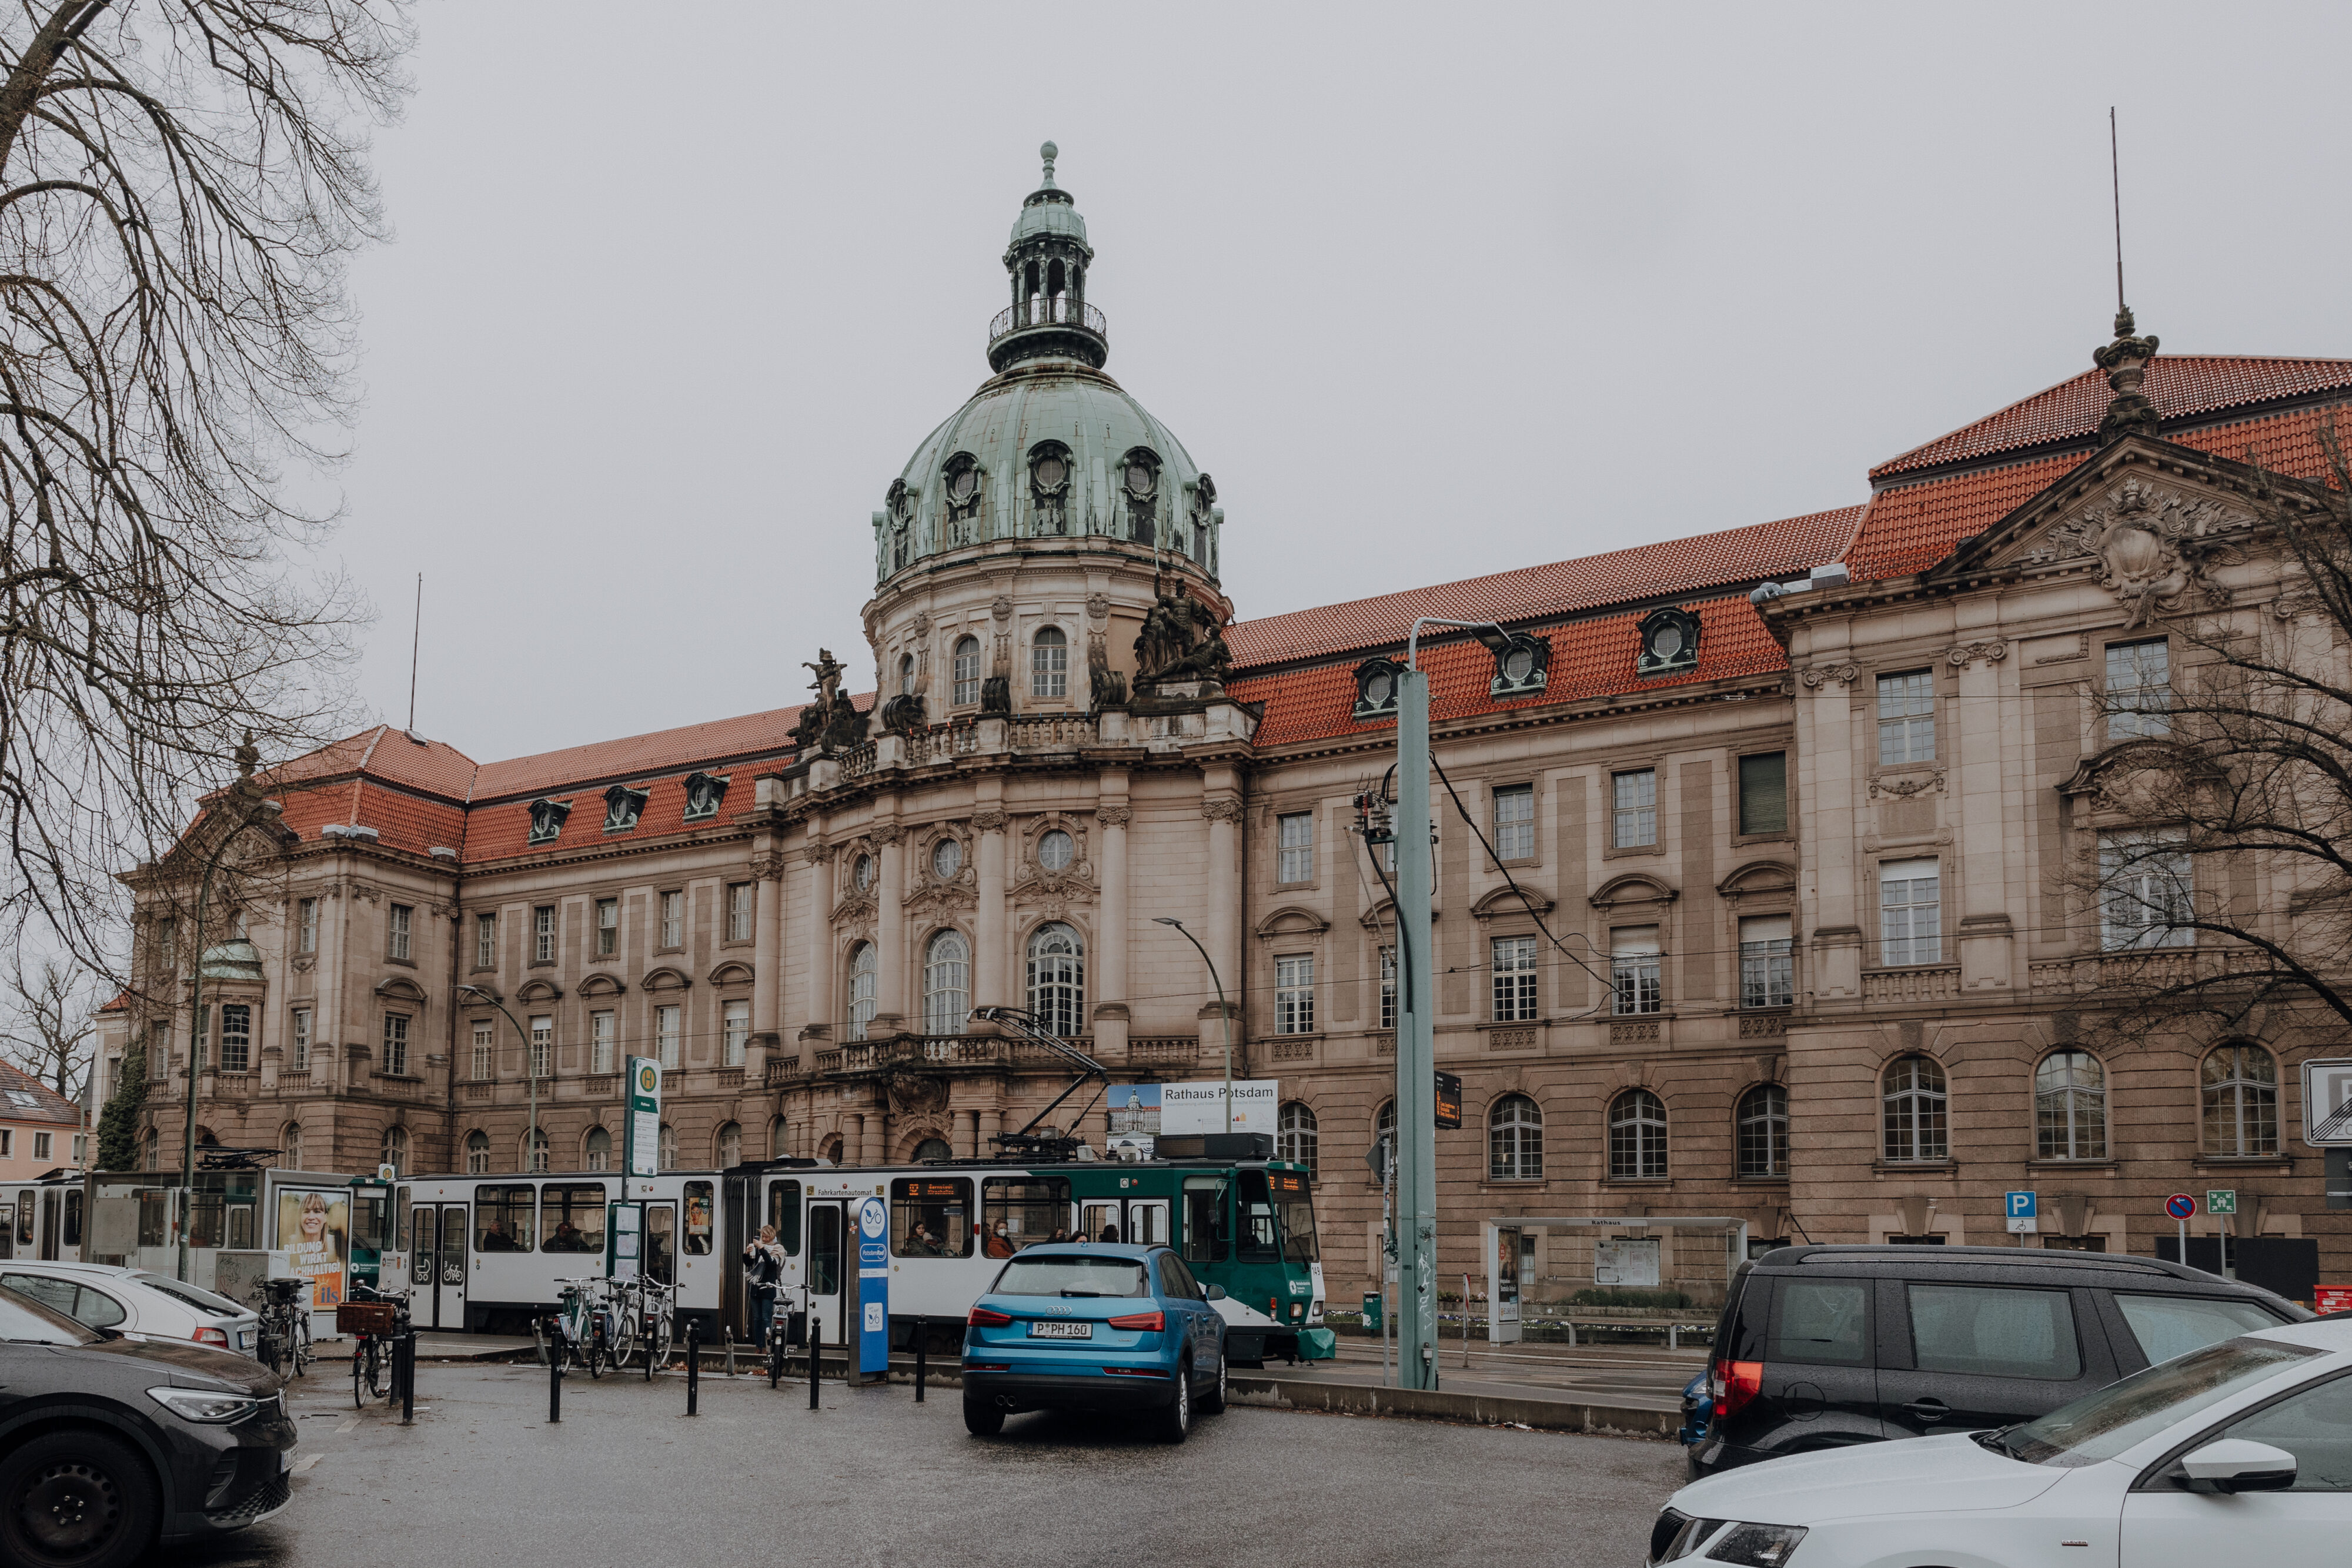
column 1753, row 904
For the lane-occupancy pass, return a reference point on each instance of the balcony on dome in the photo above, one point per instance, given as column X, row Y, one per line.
column 1048, row 325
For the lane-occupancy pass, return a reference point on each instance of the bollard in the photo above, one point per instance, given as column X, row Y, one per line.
column 816, row 1348
column 918, row 1360
column 408, row 1378
column 693, row 1367
column 1675, row 1335
column 730, row 1332
column 554, row 1387
column 775, row 1353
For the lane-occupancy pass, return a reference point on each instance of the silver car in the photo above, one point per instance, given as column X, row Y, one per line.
column 138, row 1303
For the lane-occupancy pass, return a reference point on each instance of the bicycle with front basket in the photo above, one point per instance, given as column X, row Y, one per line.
column 376, row 1318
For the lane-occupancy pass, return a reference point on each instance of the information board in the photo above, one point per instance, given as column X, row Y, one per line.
column 642, row 1129
column 874, row 1284
column 624, row 1249
column 1201, row 1107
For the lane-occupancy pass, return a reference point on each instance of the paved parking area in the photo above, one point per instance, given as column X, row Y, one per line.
column 874, row 1479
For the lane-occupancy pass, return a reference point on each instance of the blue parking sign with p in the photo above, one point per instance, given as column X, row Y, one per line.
column 2022, row 1209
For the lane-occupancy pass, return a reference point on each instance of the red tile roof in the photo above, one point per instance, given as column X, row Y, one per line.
column 2182, row 387
column 48, row 1105
column 757, row 733
column 1782, row 548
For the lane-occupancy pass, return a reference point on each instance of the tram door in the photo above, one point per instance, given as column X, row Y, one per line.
column 1141, row 1222
column 51, row 1202
column 661, row 1243
column 824, row 1266
column 436, row 1267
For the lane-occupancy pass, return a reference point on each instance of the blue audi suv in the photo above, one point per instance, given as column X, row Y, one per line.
column 1074, row 1326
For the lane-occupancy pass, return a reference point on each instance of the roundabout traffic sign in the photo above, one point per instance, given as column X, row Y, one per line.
column 2180, row 1206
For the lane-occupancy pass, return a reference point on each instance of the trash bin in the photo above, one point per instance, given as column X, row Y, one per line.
column 1372, row 1311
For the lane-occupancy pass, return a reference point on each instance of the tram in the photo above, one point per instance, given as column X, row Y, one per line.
column 42, row 1218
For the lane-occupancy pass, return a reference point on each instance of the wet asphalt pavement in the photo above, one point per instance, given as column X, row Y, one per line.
column 874, row 1479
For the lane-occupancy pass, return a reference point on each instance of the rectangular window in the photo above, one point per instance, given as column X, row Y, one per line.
column 1514, row 979
column 740, row 906
column 1822, row 1323
column 931, row 1216
column 543, row 935
column 1295, row 842
column 673, row 916
column 2139, row 690
column 739, row 1031
column 608, row 927
column 301, row 1040
column 1906, row 717
column 1294, row 994
column 505, row 1219
column 1764, row 793
column 542, row 1045
column 665, row 1033
column 7, row 1144
column 1049, row 665
column 159, row 1051
column 1910, row 913
column 602, row 1035
column 1021, row 1211
column 395, row 1044
column 1633, row 970
column 2145, row 883
column 1208, row 1219
column 486, row 941
column 204, row 1038
column 1388, row 987
column 306, row 925
column 966, row 674
column 41, row 1147
column 572, row 1217
column 1634, row 817
column 1515, row 822
column 1767, row 972
column 236, row 1038
column 402, row 918
column 1989, row 1331
column 486, row 1040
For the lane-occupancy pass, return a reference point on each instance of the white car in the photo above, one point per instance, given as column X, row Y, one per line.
column 136, row 1302
column 2238, row 1452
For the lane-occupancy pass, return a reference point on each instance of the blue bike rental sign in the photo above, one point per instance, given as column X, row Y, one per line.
column 873, row 1286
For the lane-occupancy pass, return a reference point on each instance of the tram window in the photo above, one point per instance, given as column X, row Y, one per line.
column 1208, row 1226
column 661, row 1242
column 825, row 1249
column 204, row 1220
column 697, row 1218
column 153, row 1223
column 73, row 1219
column 572, row 1217
column 1259, row 1243
column 368, row 1220
column 1294, row 1210
column 784, row 1214
column 25, row 1221
column 1021, row 1211
column 400, row 1221
column 505, row 1217
column 240, row 1227
column 931, row 1216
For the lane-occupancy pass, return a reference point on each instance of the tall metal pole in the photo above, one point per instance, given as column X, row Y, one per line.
column 1416, row 1058
column 1225, row 1014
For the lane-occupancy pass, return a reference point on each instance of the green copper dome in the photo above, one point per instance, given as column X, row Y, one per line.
column 1049, row 446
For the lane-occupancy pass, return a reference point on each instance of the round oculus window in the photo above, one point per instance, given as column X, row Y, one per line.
column 947, row 859
column 962, row 482
column 1379, row 688
column 1051, row 472
column 1139, row 479
column 1519, row 663
column 1054, row 850
column 1666, row 642
column 862, row 875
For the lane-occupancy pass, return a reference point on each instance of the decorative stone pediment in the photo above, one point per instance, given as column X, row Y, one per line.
column 731, row 973
column 539, row 991
column 1292, row 920
column 1503, row 903
column 666, row 978
column 2141, row 779
column 1634, row 887
column 400, row 989
column 1759, row 879
column 603, row 985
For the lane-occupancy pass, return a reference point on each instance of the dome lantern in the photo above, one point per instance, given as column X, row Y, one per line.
column 1047, row 262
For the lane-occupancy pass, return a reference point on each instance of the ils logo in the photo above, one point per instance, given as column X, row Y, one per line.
column 648, row 1079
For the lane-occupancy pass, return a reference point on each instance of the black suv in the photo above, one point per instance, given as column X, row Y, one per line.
column 1823, row 1346
column 108, row 1444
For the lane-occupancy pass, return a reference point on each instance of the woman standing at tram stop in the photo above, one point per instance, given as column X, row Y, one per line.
column 763, row 1265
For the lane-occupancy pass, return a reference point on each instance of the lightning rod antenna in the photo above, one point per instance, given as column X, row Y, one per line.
column 415, row 638
column 2115, row 175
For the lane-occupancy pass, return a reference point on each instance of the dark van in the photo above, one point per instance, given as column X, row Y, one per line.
column 1823, row 1346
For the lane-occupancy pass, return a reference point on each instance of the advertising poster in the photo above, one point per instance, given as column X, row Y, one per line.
column 1201, row 1107
column 1632, row 1261
column 1135, row 1109
column 314, row 1231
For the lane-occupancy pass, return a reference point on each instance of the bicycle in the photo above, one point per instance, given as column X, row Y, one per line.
column 647, row 1315
column 366, row 1316
column 580, row 1330
column 780, row 1329
column 286, row 1327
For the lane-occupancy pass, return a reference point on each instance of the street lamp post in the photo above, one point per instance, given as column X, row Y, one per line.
column 530, row 1073
column 1225, row 1014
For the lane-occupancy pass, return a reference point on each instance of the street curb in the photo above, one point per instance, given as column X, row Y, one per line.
column 1428, row 1405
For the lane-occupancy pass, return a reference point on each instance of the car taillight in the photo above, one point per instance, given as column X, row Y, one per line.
column 211, row 1336
column 1150, row 1323
column 982, row 1318
column 1732, row 1384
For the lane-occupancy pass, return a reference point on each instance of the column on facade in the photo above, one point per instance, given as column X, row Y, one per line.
column 988, row 921
column 817, row 1017
column 853, row 1137
column 330, row 1030
column 1111, row 1016
column 889, row 923
column 870, row 1147
column 768, row 958
column 1221, row 804
column 1974, row 802
column 1827, row 740
column 991, row 1124
column 967, row 1135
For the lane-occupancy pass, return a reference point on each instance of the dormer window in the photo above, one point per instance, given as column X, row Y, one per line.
column 1139, row 485
column 703, row 793
column 962, row 482
column 622, row 806
column 1521, row 666
column 547, row 820
column 1376, row 690
column 1669, row 643
column 1049, row 489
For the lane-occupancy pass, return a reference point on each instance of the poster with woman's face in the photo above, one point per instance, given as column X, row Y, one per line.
column 314, row 1231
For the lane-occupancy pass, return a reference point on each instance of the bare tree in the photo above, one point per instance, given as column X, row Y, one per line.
column 50, row 1026
column 180, row 184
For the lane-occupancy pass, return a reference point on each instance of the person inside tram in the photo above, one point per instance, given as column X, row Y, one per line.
column 1000, row 1245
column 1109, row 1233
column 921, row 1243
column 763, row 1265
column 496, row 1239
column 567, row 1238
column 1060, row 1234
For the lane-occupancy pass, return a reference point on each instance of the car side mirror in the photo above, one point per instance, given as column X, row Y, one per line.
column 1217, row 1292
column 2236, row 1465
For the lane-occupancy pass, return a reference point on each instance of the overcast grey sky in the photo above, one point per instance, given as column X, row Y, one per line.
column 1431, row 290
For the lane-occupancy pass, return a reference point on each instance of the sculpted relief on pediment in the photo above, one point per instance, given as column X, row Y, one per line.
column 2156, row 546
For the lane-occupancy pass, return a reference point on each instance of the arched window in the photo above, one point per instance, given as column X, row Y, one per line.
column 2240, row 1085
column 730, row 1144
column 1295, row 1134
column 1513, row 1139
column 396, row 1149
column 861, row 990
column 1762, row 1125
column 1913, row 1095
column 535, row 1151
column 668, row 1147
column 829, row 1150
column 1049, row 664
column 2070, row 1107
column 289, row 1146
column 933, row 1149
column 597, row 1153
column 150, row 1151
column 477, row 1153
column 1057, row 980
column 779, row 1137
column 946, row 982
column 906, row 674
column 1637, row 1136
column 967, row 672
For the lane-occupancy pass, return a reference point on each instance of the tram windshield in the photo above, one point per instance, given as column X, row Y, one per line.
column 1294, row 1210
column 1067, row 1276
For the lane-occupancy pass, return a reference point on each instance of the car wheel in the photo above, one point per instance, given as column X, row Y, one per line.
column 982, row 1419
column 1213, row 1401
column 1176, row 1420
column 78, row 1499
